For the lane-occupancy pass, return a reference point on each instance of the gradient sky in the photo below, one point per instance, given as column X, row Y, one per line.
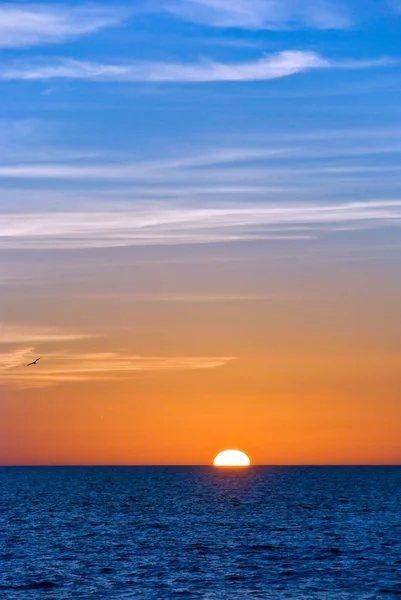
column 200, row 231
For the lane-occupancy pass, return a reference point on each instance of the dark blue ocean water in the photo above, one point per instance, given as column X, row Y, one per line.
column 197, row 532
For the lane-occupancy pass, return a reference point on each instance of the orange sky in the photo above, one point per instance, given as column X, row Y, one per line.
column 289, row 356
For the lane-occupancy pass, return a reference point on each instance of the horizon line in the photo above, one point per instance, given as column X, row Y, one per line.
column 151, row 465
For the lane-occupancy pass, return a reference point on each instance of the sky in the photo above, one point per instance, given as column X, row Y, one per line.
column 200, row 231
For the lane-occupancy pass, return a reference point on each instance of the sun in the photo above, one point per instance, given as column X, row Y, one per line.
column 231, row 458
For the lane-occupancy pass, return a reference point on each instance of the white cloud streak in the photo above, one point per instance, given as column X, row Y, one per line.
column 273, row 66
column 140, row 170
column 11, row 334
column 13, row 359
column 184, row 298
column 24, row 25
column 160, row 225
column 270, row 66
column 261, row 14
column 190, row 168
column 57, row 368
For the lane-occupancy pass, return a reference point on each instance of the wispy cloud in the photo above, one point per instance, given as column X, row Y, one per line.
column 261, row 14
column 192, row 167
column 155, row 225
column 269, row 66
column 13, row 359
column 185, row 298
column 141, row 170
column 201, row 298
column 26, row 25
column 11, row 334
column 72, row 367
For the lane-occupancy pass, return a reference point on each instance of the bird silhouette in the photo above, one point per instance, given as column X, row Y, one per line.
column 35, row 362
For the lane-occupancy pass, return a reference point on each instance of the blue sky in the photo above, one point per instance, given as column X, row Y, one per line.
column 240, row 119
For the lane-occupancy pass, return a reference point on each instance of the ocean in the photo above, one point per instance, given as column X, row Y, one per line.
column 155, row 533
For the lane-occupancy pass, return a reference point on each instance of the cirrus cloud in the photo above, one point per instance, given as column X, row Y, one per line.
column 261, row 14
column 269, row 66
column 148, row 225
column 11, row 334
column 71, row 367
column 24, row 25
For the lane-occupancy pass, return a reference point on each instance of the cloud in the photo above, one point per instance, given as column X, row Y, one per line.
column 10, row 334
column 27, row 25
column 271, row 66
column 149, row 224
column 13, row 359
column 141, row 170
column 384, row 61
column 201, row 298
column 185, row 298
column 261, row 14
column 58, row 368
column 192, row 168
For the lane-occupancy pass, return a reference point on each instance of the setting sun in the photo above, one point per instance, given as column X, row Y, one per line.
column 231, row 458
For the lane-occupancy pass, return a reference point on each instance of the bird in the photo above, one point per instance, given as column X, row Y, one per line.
column 35, row 362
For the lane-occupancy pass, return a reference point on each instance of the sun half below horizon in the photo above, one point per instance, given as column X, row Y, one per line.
column 231, row 458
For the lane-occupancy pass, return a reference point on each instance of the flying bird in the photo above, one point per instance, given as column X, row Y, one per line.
column 35, row 362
